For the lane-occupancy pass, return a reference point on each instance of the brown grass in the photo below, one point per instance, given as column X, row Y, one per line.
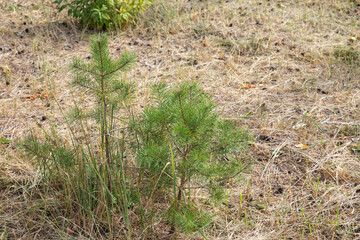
column 302, row 106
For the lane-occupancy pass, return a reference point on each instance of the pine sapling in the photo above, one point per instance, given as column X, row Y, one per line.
column 181, row 128
column 90, row 169
column 100, row 78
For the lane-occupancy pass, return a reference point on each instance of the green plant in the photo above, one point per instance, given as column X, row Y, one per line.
column 163, row 16
column 350, row 130
column 4, row 234
column 104, row 14
column 179, row 138
column 12, row 8
column 348, row 55
column 200, row 30
column 89, row 171
column 246, row 46
column 4, row 140
column 355, row 149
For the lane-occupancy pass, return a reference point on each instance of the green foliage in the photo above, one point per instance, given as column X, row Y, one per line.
column 350, row 130
column 188, row 219
column 348, row 55
column 104, row 14
column 204, row 146
column 4, row 140
column 200, row 30
column 355, row 149
column 177, row 139
column 90, row 171
column 246, row 46
column 12, row 8
column 100, row 77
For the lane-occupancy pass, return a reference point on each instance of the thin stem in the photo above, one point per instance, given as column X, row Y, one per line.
column 182, row 183
column 103, row 99
column 105, row 137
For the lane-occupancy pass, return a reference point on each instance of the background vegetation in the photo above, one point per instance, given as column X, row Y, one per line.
column 102, row 14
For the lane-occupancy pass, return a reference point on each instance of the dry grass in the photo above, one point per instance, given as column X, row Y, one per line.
column 278, row 67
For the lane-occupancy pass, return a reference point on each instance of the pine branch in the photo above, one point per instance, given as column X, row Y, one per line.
column 82, row 85
column 86, row 70
column 104, row 74
column 117, row 69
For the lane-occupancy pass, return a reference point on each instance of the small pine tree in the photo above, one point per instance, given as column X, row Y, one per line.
column 100, row 79
column 182, row 125
column 91, row 174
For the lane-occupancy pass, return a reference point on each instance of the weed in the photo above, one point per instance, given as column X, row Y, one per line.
column 350, row 130
column 4, row 141
column 200, row 30
column 4, row 234
column 355, row 149
column 103, row 15
column 161, row 17
column 243, row 47
column 12, row 8
column 227, row 43
column 348, row 55
column 6, row 72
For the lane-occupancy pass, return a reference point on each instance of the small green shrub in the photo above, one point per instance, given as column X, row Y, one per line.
column 181, row 125
column 104, row 14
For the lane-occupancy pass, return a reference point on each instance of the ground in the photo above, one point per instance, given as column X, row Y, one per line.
column 289, row 71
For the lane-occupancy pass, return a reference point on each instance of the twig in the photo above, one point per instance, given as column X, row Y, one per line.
column 341, row 123
column 274, row 155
